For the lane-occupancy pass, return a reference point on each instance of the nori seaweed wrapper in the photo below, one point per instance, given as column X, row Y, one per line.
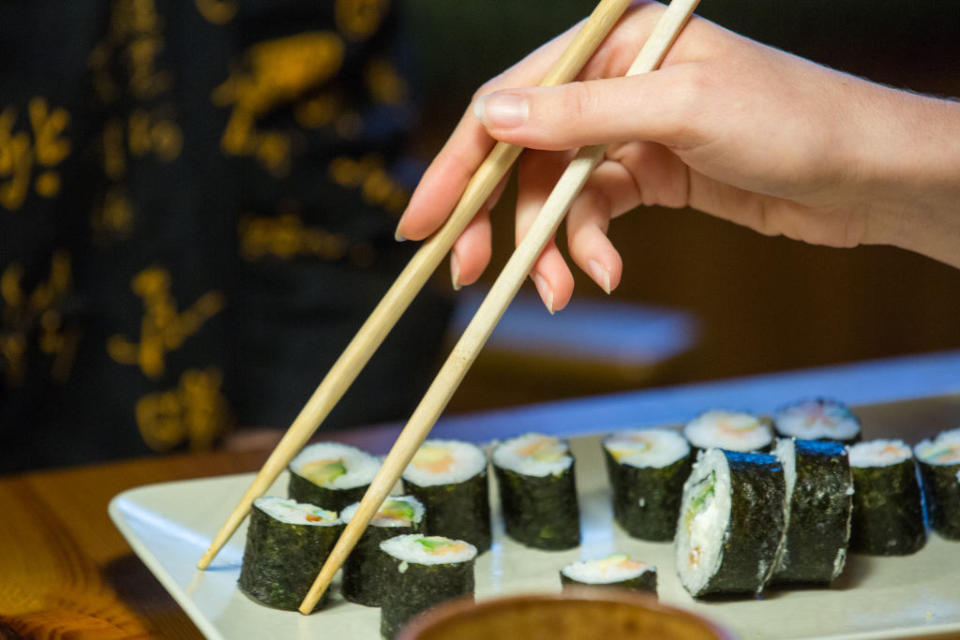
column 458, row 510
column 540, row 512
column 364, row 572
column 303, row 490
column 646, row 500
column 412, row 588
column 820, row 512
column 887, row 510
column 645, row 582
column 941, row 486
column 281, row 560
column 754, row 534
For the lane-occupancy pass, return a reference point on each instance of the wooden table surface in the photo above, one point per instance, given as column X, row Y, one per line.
column 66, row 572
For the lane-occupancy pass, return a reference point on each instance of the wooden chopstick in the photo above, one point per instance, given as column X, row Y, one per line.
column 345, row 370
column 491, row 310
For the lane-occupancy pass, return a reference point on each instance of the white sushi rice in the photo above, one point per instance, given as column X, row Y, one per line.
column 699, row 540
column 360, row 466
column 603, row 571
column 879, row 453
column 942, row 450
column 730, row 430
column 468, row 461
column 418, row 510
column 408, row 549
column 510, row 455
column 817, row 419
column 644, row 448
column 293, row 512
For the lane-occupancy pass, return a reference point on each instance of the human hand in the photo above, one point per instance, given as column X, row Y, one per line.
column 727, row 126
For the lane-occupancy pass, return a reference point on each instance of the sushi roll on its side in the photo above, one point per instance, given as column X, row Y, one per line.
column 538, row 492
column 450, row 478
column 287, row 543
column 647, row 469
column 817, row 419
column 618, row 571
column 819, row 498
column 732, row 523
column 887, row 502
column 730, row 430
column 422, row 572
column 939, row 461
column 331, row 474
column 363, row 571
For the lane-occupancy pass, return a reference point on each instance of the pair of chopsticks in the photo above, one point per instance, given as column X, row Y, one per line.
column 413, row 277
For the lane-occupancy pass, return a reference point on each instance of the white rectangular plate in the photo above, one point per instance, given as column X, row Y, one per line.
column 170, row 525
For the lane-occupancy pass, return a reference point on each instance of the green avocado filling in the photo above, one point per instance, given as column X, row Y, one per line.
column 323, row 472
column 397, row 510
column 702, row 499
column 434, row 544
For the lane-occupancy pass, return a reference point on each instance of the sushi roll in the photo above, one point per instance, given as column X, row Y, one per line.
column 732, row 523
column 617, row 571
column 817, row 419
column 331, row 474
column 363, row 571
column 538, row 492
column 887, row 502
column 287, row 543
column 940, row 468
column 819, row 494
column 730, row 430
column 647, row 469
column 450, row 478
column 422, row 572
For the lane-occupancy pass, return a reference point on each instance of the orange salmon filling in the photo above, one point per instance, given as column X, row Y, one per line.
column 434, row 459
column 543, row 450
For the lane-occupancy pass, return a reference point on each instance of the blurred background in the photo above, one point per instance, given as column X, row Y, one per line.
column 742, row 303
column 198, row 198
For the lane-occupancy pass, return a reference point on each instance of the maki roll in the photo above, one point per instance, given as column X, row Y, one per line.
column 730, row 430
column 617, row 571
column 819, row 494
column 450, row 478
column 887, row 503
column 732, row 523
column 817, row 419
column 364, row 570
column 332, row 474
column 421, row 572
column 940, row 467
column 287, row 543
column 538, row 492
column 647, row 469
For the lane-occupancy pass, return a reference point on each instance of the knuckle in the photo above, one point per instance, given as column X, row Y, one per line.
column 580, row 100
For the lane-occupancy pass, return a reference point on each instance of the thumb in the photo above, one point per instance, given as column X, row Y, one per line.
column 657, row 106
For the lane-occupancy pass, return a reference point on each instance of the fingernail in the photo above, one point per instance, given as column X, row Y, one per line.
column 600, row 274
column 505, row 110
column 398, row 236
column 455, row 272
column 545, row 291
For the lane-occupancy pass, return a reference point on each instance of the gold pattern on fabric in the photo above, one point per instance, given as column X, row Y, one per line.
column 22, row 312
column 137, row 25
column 285, row 236
column 217, row 11
column 359, row 19
column 195, row 412
column 375, row 184
column 274, row 72
column 162, row 328
column 42, row 149
column 384, row 83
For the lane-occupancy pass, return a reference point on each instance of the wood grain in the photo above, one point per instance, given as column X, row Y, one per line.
column 66, row 572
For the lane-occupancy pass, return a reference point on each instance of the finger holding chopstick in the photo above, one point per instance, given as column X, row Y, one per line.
column 476, row 191
column 491, row 310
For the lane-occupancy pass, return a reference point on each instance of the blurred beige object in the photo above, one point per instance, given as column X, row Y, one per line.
column 574, row 614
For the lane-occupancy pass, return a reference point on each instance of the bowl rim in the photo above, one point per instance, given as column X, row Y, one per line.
column 447, row 610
